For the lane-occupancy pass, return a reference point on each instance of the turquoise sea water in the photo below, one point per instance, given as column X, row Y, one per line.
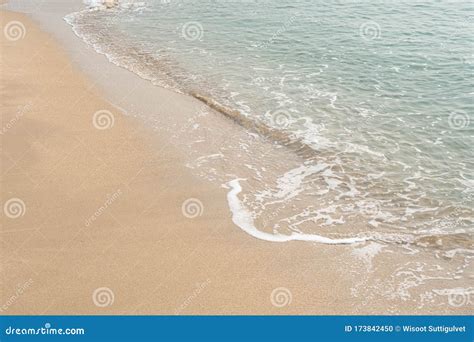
column 380, row 92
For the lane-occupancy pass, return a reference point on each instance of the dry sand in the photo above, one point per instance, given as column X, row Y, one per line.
column 140, row 245
column 103, row 213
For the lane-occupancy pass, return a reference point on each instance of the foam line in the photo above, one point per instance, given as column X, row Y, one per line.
column 243, row 218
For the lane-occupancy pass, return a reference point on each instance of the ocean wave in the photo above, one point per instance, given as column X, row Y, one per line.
column 360, row 183
column 243, row 218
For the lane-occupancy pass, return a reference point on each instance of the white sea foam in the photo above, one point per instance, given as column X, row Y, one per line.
column 383, row 167
column 350, row 166
column 368, row 253
column 124, row 4
column 289, row 185
column 94, row 3
column 243, row 218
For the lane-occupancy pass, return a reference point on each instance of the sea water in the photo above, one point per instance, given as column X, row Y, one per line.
column 375, row 98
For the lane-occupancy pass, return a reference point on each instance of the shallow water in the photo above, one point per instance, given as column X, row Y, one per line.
column 376, row 104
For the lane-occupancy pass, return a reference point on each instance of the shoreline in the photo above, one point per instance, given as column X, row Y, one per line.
column 168, row 109
column 301, row 145
column 212, row 239
column 116, row 231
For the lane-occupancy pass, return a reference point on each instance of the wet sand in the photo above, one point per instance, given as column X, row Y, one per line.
column 102, row 225
column 103, row 208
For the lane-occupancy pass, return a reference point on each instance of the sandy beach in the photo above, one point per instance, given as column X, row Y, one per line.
column 152, row 257
column 103, row 217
